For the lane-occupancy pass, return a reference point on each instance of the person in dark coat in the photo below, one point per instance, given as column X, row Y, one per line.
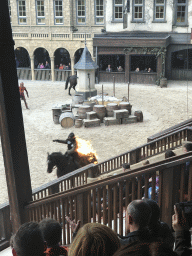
column 159, row 230
column 138, row 215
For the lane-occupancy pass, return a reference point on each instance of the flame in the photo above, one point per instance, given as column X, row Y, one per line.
column 85, row 150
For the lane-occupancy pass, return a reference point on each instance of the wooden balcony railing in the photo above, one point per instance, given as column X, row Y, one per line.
column 73, row 181
column 105, row 201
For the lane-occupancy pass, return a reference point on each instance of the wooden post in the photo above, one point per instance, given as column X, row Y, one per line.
column 102, row 95
column 82, row 213
column 114, row 86
column 128, row 91
column 169, row 194
column 11, row 125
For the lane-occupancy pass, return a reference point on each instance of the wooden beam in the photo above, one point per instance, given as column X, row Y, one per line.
column 11, row 125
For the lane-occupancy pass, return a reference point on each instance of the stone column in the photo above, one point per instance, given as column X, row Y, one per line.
column 53, row 68
column 32, row 68
column 72, row 65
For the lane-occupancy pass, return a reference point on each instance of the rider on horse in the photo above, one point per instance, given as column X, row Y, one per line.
column 72, row 146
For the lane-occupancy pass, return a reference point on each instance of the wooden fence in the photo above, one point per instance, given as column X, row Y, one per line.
column 105, row 201
column 73, row 181
column 43, row 74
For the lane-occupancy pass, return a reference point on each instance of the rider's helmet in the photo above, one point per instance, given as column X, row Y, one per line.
column 71, row 136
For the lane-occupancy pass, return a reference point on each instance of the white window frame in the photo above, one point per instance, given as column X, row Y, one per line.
column 116, row 5
column 98, row 9
column 22, row 14
column 79, row 17
column 177, row 4
column 155, row 19
column 40, row 17
column 55, row 12
column 135, row 4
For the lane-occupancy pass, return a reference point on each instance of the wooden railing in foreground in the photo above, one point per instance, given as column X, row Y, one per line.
column 170, row 130
column 105, row 201
column 79, row 177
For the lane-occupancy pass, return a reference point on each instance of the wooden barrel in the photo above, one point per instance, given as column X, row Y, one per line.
column 82, row 111
column 139, row 116
column 77, row 99
column 110, row 107
column 67, row 119
column 125, row 105
column 100, row 111
column 56, row 115
column 90, row 103
column 78, row 123
column 163, row 82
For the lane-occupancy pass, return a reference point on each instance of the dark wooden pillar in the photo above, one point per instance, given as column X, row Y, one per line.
column 170, row 190
column 11, row 125
column 159, row 66
column 82, row 208
column 127, row 67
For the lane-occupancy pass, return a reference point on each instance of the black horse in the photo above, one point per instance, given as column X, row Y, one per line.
column 73, row 82
column 64, row 164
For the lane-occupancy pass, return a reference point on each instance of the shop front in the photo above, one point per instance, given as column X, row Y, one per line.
column 128, row 57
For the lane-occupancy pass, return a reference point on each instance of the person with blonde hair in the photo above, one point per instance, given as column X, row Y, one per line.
column 94, row 239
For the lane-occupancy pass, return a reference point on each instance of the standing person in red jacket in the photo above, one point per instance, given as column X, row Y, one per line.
column 22, row 88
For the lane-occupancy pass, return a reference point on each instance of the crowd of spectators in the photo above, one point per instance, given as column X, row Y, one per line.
column 147, row 236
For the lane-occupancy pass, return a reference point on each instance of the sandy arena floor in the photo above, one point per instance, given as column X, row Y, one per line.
column 161, row 107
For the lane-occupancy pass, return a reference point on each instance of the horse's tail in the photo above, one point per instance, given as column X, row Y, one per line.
column 66, row 84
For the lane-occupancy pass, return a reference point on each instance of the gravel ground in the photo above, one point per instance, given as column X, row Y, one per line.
column 161, row 107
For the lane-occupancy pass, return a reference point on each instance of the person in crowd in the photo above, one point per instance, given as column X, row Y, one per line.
column 51, row 230
column 47, row 65
column 28, row 240
column 159, row 230
column 108, row 69
column 42, row 66
column 137, row 69
column 120, row 69
column 126, row 167
column 169, row 153
column 146, row 249
column 149, row 70
column 69, row 66
column 94, row 239
column 22, row 88
column 138, row 215
column 61, row 66
column 182, row 234
column 39, row 65
column 64, row 67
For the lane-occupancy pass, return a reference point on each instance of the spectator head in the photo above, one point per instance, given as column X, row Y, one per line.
column 28, row 241
column 169, row 153
column 21, row 84
column 146, row 162
column 187, row 147
column 138, row 215
column 51, row 230
column 126, row 167
column 94, row 239
column 155, row 211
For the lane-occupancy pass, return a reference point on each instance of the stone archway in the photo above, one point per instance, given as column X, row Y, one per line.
column 22, row 58
column 77, row 54
column 41, row 55
column 62, row 56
